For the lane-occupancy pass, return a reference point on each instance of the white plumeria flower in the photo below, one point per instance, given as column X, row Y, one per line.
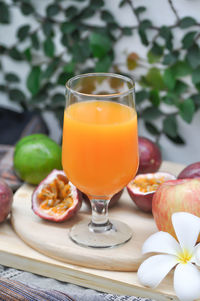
column 184, row 255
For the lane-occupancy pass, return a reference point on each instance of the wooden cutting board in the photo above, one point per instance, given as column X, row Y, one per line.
column 52, row 239
column 14, row 252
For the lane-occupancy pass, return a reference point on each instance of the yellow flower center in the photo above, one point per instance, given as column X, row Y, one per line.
column 184, row 256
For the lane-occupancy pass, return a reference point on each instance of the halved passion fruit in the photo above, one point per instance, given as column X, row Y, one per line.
column 55, row 198
column 142, row 188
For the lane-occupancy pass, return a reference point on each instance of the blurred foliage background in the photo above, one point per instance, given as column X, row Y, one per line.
column 168, row 88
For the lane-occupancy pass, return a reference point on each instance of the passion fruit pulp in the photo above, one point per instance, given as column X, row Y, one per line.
column 150, row 157
column 142, row 188
column 55, row 198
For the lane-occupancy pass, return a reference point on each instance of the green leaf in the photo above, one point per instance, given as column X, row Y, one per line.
column 52, row 10
column 17, row 95
column 4, row 13
column 127, row 31
column 58, row 98
column 107, row 16
column 28, row 55
column 169, row 99
column 63, row 78
column 180, row 87
column 181, row 69
column 154, row 97
column 140, row 9
column 196, row 99
column 154, row 79
column 151, row 113
column 2, row 88
column 95, row 4
column 67, row 27
column 155, row 53
column 49, row 48
column 187, row 109
column 99, row 44
column 193, row 56
column 27, row 8
column 12, row 77
column 23, row 32
column 141, row 96
column 103, row 64
column 169, row 79
column 170, row 126
column 170, row 58
column 69, row 67
column 88, row 12
column 15, row 54
column 177, row 140
column 2, row 49
column 151, row 128
column 122, row 3
column 51, row 68
column 33, row 80
column 81, row 51
column 166, row 34
column 188, row 39
column 187, row 22
column 196, row 76
column 144, row 25
column 35, row 41
column 47, row 28
column 71, row 12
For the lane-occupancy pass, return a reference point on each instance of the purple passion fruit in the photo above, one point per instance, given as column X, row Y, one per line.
column 191, row 171
column 142, row 188
column 150, row 156
column 55, row 198
column 6, row 199
column 113, row 201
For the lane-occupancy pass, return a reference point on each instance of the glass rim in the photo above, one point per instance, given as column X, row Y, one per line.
column 109, row 74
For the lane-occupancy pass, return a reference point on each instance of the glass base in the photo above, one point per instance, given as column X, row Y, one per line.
column 113, row 234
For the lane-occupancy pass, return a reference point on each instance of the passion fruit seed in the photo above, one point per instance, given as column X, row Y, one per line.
column 56, row 197
column 147, row 185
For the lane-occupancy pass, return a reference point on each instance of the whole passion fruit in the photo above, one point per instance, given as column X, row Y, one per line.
column 55, row 198
column 191, row 171
column 142, row 188
column 6, row 199
column 113, row 201
column 150, row 156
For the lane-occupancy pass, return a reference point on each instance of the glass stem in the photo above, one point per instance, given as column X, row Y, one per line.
column 100, row 222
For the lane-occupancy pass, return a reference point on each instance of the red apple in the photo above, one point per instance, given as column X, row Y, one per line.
column 175, row 196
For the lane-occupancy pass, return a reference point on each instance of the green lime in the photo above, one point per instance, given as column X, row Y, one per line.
column 35, row 157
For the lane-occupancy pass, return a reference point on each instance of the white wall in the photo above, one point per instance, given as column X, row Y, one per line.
column 160, row 13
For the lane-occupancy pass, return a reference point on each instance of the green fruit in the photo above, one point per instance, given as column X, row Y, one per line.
column 35, row 157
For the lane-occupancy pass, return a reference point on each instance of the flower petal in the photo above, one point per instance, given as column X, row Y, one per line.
column 154, row 269
column 161, row 242
column 187, row 228
column 187, row 282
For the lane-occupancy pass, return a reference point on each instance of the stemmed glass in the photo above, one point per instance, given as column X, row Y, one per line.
column 100, row 150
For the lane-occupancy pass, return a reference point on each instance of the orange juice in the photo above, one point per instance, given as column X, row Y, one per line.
column 100, row 146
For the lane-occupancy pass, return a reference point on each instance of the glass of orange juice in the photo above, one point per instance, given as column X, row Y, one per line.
column 100, row 150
